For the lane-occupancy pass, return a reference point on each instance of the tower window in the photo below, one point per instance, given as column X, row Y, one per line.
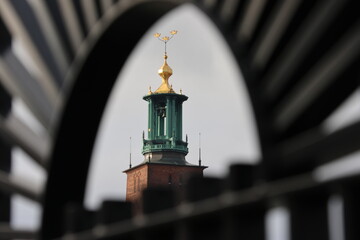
column 161, row 119
column 170, row 180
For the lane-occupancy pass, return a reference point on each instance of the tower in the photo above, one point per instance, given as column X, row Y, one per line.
column 164, row 149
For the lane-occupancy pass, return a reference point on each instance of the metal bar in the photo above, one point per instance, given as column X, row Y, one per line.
column 309, row 216
column 319, row 78
column 5, row 165
column 18, row 81
column 273, row 30
column 228, row 10
column 5, row 40
column 17, row 133
column 71, row 22
column 105, row 5
column 351, row 197
column 250, row 19
column 246, row 224
column 6, row 232
column 98, row 8
column 89, row 9
column 80, row 16
column 209, row 4
column 26, row 15
column 326, row 148
column 54, row 11
column 241, row 201
column 9, row 185
column 5, row 156
column 300, row 44
column 16, row 27
column 53, row 38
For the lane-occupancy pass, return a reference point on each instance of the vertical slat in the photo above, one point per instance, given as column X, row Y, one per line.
column 299, row 46
column 18, row 81
column 33, row 29
column 246, row 222
column 17, row 133
column 319, row 77
column 98, row 8
column 155, row 200
column 80, row 16
column 71, row 22
column 5, row 158
column 51, row 33
column 273, row 30
column 105, row 5
column 17, row 29
column 211, row 227
column 351, row 200
column 228, row 10
column 113, row 211
column 77, row 218
column 5, row 40
column 309, row 216
column 247, row 24
column 90, row 14
column 210, row 4
column 53, row 8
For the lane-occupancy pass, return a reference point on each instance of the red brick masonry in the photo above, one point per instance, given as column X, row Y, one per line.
column 155, row 174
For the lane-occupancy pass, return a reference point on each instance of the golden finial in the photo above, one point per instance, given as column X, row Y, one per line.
column 150, row 92
column 165, row 71
column 180, row 91
column 165, row 39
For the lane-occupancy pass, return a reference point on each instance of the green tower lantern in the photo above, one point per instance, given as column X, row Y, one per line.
column 164, row 142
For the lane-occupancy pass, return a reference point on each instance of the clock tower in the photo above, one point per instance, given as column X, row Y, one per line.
column 164, row 149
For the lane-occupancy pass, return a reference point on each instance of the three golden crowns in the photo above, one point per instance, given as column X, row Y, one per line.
column 165, row 71
column 165, row 39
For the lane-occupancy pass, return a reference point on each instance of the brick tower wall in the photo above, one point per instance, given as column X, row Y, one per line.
column 171, row 175
column 137, row 180
column 154, row 175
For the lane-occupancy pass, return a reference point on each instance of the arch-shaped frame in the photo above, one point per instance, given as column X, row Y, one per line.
column 93, row 75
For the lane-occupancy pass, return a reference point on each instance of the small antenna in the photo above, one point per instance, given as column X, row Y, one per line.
column 130, row 154
column 199, row 149
column 165, row 39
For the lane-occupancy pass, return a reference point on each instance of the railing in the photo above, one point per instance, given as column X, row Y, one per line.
column 159, row 145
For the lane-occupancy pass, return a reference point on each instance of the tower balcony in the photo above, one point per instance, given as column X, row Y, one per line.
column 168, row 145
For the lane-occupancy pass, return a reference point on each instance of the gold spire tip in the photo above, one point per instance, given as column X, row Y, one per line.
column 165, row 39
column 165, row 71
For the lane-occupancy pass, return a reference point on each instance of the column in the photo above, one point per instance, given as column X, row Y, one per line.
column 169, row 110
column 5, row 158
column 150, row 120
